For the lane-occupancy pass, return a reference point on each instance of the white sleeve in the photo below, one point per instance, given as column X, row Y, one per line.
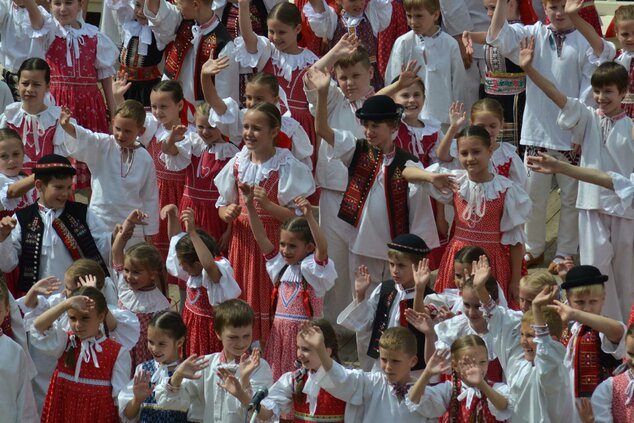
column 150, row 200
column 101, row 234
column 230, row 122
column 323, row 24
column 455, row 16
column 549, row 359
column 25, row 402
column 110, row 292
column 360, row 316
column 52, row 342
column 172, row 264
column 128, row 327
column 502, row 415
column 17, row 324
column 280, row 397
column 253, row 60
column 121, row 373
column 344, row 146
column 617, row 350
column 400, row 55
column 517, row 208
column 320, row 275
column 7, row 203
column 125, row 396
column 302, row 148
column 576, row 117
column 624, row 189
column 166, row 21
column 228, row 80
column 89, row 147
column 181, row 160
column 295, row 180
column 504, row 328
column 351, row 386
column 608, row 54
column 226, row 289
column 190, row 392
column 434, row 402
column 107, row 55
column 421, row 215
column 274, row 266
column 226, row 183
column 458, row 73
column 379, row 14
column 518, row 173
column 509, row 38
column 602, row 402
column 10, row 249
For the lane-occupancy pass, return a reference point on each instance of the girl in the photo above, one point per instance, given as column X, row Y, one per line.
column 279, row 55
column 277, row 178
column 365, row 20
column 80, row 57
column 296, row 392
column 301, row 275
column 36, row 122
column 488, row 114
column 490, row 211
column 91, row 369
column 469, row 396
column 194, row 256
column 139, row 271
column 166, row 336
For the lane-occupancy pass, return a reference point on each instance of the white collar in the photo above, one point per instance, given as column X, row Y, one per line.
column 469, row 393
column 90, row 347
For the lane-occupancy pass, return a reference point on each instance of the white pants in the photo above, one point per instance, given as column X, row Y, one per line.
column 607, row 242
column 538, row 187
column 471, row 87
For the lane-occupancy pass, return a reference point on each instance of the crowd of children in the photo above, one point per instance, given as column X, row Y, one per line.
column 192, row 220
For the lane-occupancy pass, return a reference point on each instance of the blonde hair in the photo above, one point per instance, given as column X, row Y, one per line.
column 487, row 105
column 131, row 109
column 400, row 339
column 203, row 108
column 429, row 5
column 398, row 255
column 538, row 281
column 464, row 342
column 623, row 13
column 552, row 319
column 594, row 289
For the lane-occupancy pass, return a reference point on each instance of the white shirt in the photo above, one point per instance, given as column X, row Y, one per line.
column 193, row 145
column 130, row 27
column 7, row 203
column 18, row 403
column 320, row 276
column 19, row 40
column 377, row 12
column 624, row 189
column 442, row 70
column 118, row 186
column 136, row 301
column 465, row 15
column 458, row 326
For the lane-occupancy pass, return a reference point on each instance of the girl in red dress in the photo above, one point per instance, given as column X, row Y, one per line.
column 91, row 369
column 276, row 178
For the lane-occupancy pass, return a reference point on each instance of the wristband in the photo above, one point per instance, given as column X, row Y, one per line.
column 541, row 330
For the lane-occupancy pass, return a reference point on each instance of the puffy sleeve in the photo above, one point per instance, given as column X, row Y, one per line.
column 602, row 402
column 295, row 180
column 517, row 207
column 230, row 122
column 7, row 203
column 344, row 146
column 172, row 264
column 360, row 316
column 107, row 55
column 228, row 80
column 280, row 398
column 576, row 117
column 379, row 14
column 17, row 324
column 301, row 147
column 124, row 9
column 253, row 60
column 449, row 330
column 52, row 342
column 151, row 125
column 502, row 415
column 444, row 197
column 323, row 24
column 125, row 396
column 624, row 189
column 184, row 157
column 401, row 54
column 616, row 350
column 320, row 275
column 227, row 186
column 226, row 289
column 434, row 402
column 128, row 327
column 608, row 54
column 165, row 22
column 274, row 265
column 121, row 373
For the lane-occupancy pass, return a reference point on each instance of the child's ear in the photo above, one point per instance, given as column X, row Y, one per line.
column 329, row 351
column 39, row 185
column 371, row 72
column 218, row 336
column 180, row 105
column 311, row 247
column 180, row 342
column 141, row 131
column 413, row 361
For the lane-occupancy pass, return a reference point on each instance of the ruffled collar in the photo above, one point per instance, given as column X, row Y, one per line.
column 162, row 371
column 222, row 150
column 478, row 193
column 15, row 115
column 89, row 349
column 351, row 21
column 503, row 154
column 253, row 174
column 150, row 301
column 287, row 63
column 74, row 38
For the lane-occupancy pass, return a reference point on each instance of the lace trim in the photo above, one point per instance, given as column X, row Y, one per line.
column 252, row 173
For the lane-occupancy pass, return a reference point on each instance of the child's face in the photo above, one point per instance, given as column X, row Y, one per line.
column 401, row 271
column 293, row 248
column 138, row 12
column 136, row 276
column 65, row 11
column 629, row 352
column 459, row 270
column 625, row 34
column 378, row 134
column 489, row 121
column 125, row 131
column 236, row 341
column 353, row 7
column 11, row 157
column 164, row 108
column 55, row 194
column 69, row 286
column 164, row 349
column 556, row 14
column 307, row 355
column 32, row 87
column 588, row 302
column 489, row 6
column 477, row 354
column 474, row 155
column 283, row 36
column 471, row 305
column 208, row 133
column 396, row 365
column 257, row 134
column 258, row 93
column 527, row 341
column 422, row 21
column 354, row 80
column 187, row 8
column 608, row 98
column 85, row 324
column 527, row 296
column 412, row 99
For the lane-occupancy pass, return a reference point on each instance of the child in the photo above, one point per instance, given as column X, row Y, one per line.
column 194, row 256
column 375, row 179
column 462, row 398
column 365, row 20
column 46, row 237
column 166, row 336
column 16, row 370
column 277, row 178
column 91, row 369
column 561, row 57
column 196, row 380
column 123, row 176
column 301, row 274
column 385, row 308
column 185, row 58
column 141, row 51
column 36, row 122
column 296, row 392
column 490, row 211
column 623, row 22
column 437, row 54
column 612, row 400
column 531, row 285
column 140, row 274
column 371, row 397
column 488, row 114
column 80, row 58
column 606, row 140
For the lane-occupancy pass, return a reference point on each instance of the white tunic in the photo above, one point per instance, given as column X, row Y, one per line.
column 210, row 403
column 465, row 15
column 377, row 12
column 18, row 403
column 118, row 187
column 165, row 24
column 442, row 70
column 6, row 96
column 320, row 276
column 602, row 399
column 18, row 38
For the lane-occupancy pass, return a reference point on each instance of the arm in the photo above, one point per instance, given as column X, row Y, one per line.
column 35, row 16
column 548, row 164
column 517, row 255
column 457, row 118
column 170, row 212
column 344, row 47
column 407, row 77
column 572, row 10
column 209, row 70
column 322, row 129
column 321, row 245
column 527, row 47
column 176, row 134
column 18, row 189
column 246, row 29
column 123, row 236
column 266, row 246
column 498, row 20
column 111, row 104
column 438, row 364
column 204, row 255
column 66, row 124
column 44, row 321
column 46, row 287
column 611, row 328
column 498, row 400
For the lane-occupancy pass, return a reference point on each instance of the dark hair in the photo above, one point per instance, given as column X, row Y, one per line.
column 131, row 109
column 271, row 111
column 360, row 55
column 266, row 79
column 491, row 286
column 186, row 252
column 4, row 292
column 468, row 254
column 171, row 323
column 170, row 86
column 84, row 267
column 148, row 257
column 330, row 341
column 10, row 134
column 287, row 13
column 475, row 132
column 234, row 313
column 610, row 73
column 36, row 64
column 299, row 226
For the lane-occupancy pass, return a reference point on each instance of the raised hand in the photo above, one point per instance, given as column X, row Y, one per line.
column 303, row 205
column 573, row 7
column 481, row 272
column 80, row 303
column 421, row 274
column 421, row 321
column 471, row 372
column 546, row 296
column 317, row 79
column 444, row 313
column 214, row 66
column 527, row 50
column 64, row 116
column 564, row 267
column 177, row 133
column 361, row 282
column 142, row 386
column 169, row 210
column 312, row 335
column 564, row 310
column 261, row 196
column 47, row 286
column 439, row 363
column 248, row 363
column 229, row 382
column 543, row 163
column 88, row 280
column 444, row 182
column 187, row 217
column 137, row 217
column 346, row 45
column 409, row 74
column 457, row 114
column 121, row 85
column 467, row 42
column 190, row 368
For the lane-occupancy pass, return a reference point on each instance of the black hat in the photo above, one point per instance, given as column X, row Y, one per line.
column 379, row 107
column 409, row 243
column 583, row 276
column 53, row 164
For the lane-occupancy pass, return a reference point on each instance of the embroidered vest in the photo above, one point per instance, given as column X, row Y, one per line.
column 75, row 232
column 362, row 172
column 329, row 409
column 210, row 45
column 621, row 412
column 258, row 18
column 381, row 322
column 407, row 141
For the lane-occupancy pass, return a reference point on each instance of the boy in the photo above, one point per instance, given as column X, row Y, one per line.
column 606, row 229
column 375, row 397
column 197, row 34
column 233, row 323
column 369, row 317
column 560, row 55
column 123, row 173
column 438, row 55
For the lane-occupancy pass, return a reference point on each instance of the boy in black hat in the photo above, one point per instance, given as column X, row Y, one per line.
column 45, row 238
column 595, row 344
column 386, row 305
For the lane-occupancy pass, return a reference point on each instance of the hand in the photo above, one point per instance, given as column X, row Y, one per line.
column 573, row 7
column 304, row 206
column 346, row 45
column 229, row 382
column 88, row 280
column 471, row 373
column 361, row 282
column 6, row 226
column 481, row 272
column 409, row 74
column 169, row 210
column 584, row 408
column 136, row 217
column 80, row 303
column 247, row 192
column 444, row 182
column 439, row 363
column 189, row 368
column 457, row 115
column 312, row 335
column 187, row 217
column 231, row 212
column 466, row 58
column 445, row 314
column 546, row 296
column 317, row 79
column 248, row 363
column 177, row 134
column 421, row 321
column 422, row 275
column 467, row 42
column 261, row 196
column 213, row 66
column 47, row 286
column 120, row 85
column 564, row 310
column 527, row 50
column 564, row 267
column 142, row 388
column 64, row 116
column 543, row 163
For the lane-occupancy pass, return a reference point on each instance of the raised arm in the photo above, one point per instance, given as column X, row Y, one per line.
column 321, row 245
column 259, row 233
column 136, row 217
column 320, row 80
column 572, row 9
column 548, row 164
column 21, row 187
column 457, row 119
column 344, row 47
column 170, row 212
column 120, row 86
column 80, row 303
column 313, row 337
column 611, row 328
column 499, row 19
column 408, row 76
column 210, row 69
column 205, row 256
column 35, row 16
column 246, row 29
column 439, row 363
column 176, row 134
column 527, row 49
column 65, row 123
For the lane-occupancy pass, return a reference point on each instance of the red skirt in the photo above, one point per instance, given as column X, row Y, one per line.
column 198, row 316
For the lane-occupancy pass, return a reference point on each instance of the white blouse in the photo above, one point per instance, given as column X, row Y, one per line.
column 280, row 398
column 131, row 27
column 603, row 395
column 18, row 44
column 320, row 276
column 7, row 203
column 377, row 12
column 193, row 145
column 151, row 301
